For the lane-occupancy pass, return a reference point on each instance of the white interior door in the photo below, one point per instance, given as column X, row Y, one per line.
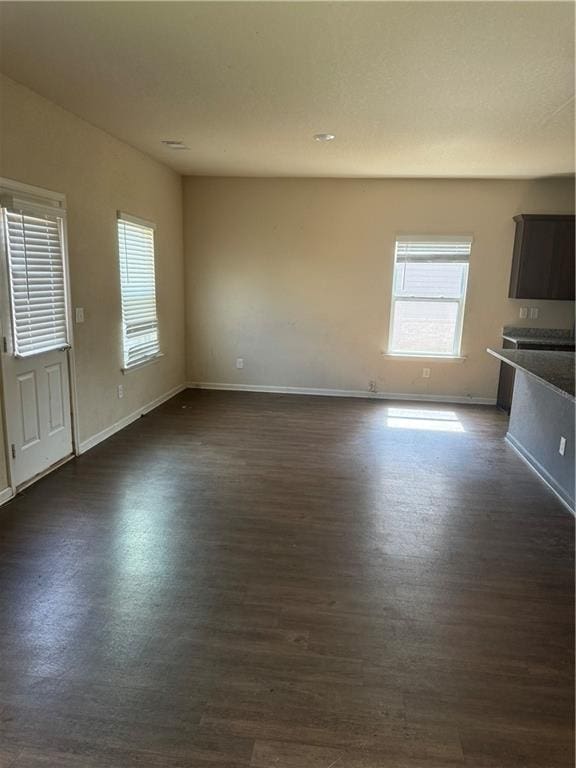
column 35, row 342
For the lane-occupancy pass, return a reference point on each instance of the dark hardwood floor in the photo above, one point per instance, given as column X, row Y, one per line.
column 289, row 582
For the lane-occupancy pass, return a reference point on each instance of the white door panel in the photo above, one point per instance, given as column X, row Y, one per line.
column 55, row 397
column 28, row 405
column 39, row 427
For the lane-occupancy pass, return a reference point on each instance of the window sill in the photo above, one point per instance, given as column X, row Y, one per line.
column 143, row 364
column 422, row 356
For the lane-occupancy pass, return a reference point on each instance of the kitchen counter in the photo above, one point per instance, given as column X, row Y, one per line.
column 541, row 426
column 559, row 337
column 553, row 369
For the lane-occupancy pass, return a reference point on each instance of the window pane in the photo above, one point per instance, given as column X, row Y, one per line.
column 429, row 279
column 424, row 326
column 138, row 286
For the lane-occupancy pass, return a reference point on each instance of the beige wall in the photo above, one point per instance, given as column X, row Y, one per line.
column 46, row 146
column 295, row 277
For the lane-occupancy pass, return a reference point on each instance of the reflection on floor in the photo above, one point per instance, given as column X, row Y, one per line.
column 286, row 582
column 423, row 418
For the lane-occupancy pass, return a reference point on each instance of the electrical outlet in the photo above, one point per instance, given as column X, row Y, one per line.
column 523, row 313
column 425, row 373
column 79, row 314
column 371, row 386
column 120, row 391
column 533, row 313
column 562, row 446
column 239, row 362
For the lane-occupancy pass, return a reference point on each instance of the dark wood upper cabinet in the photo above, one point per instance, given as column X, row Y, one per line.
column 543, row 260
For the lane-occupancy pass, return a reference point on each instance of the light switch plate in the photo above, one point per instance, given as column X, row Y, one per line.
column 79, row 314
column 533, row 313
column 239, row 362
column 523, row 313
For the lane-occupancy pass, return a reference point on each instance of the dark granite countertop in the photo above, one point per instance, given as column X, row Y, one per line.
column 554, row 369
column 545, row 336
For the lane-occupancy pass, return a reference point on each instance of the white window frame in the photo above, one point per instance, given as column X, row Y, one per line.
column 127, row 367
column 460, row 302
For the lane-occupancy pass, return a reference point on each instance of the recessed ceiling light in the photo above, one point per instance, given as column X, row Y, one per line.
column 324, row 137
column 173, row 144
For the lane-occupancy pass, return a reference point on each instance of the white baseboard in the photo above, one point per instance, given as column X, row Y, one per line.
column 6, row 495
column 85, row 445
column 459, row 399
column 542, row 473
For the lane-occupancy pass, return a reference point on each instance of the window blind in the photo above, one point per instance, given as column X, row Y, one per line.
column 433, row 249
column 138, row 288
column 37, row 281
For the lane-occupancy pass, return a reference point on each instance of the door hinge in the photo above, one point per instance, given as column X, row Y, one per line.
column 4, row 344
column 13, row 451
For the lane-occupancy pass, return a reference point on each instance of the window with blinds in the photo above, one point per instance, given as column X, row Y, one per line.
column 36, row 280
column 429, row 291
column 138, row 288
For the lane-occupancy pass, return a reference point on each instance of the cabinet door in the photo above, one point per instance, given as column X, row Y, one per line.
column 543, row 261
column 505, row 387
column 533, row 259
column 506, row 381
column 561, row 278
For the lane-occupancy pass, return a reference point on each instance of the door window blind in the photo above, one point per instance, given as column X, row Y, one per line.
column 36, row 280
column 138, row 288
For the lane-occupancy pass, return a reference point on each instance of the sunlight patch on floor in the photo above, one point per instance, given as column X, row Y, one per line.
column 423, row 419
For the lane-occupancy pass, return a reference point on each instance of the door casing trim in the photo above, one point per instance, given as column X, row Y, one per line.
column 9, row 186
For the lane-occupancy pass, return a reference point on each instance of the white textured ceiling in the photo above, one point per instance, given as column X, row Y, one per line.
column 410, row 89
